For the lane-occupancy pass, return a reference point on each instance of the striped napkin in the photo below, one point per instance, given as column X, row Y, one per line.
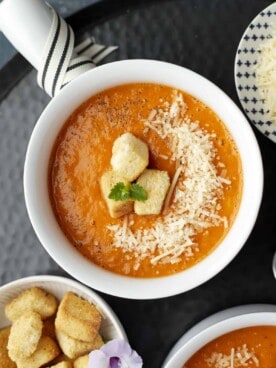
column 62, row 61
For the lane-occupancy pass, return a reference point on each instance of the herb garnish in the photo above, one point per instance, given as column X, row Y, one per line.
column 123, row 192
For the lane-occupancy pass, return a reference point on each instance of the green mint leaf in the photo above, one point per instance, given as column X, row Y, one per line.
column 120, row 192
column 123, row 192
column 137, row 192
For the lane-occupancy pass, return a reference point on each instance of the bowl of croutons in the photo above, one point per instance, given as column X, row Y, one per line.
column 52, row 321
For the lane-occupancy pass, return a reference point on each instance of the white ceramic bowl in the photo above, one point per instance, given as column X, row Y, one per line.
column 218, row 325
column 36, row 171
column 111, row 327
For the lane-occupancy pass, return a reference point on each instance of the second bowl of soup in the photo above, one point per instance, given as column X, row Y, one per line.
column 142, row 179
column 238, row 337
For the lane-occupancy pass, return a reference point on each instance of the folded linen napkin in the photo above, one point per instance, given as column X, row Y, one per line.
column 62, row 61
column 48, row 43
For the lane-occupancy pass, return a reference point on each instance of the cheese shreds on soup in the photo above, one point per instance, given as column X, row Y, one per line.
column 248, row 347
column 187, row 140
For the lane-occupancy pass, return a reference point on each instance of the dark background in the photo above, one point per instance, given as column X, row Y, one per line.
column 202, row 35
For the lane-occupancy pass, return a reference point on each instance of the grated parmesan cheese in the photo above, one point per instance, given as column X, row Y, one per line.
column 192, row 201
column 240, row 357
column 266, row 74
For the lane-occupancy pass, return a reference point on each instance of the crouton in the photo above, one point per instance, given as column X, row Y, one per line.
column 33, row 299
column 116, row 208
column 46, row 351
column 81, row 362
column 77, row 318
column 5, row 361
column 156, row 183
column 24, row 336
column 62, row 365
column 130, row 156
column 75, row 348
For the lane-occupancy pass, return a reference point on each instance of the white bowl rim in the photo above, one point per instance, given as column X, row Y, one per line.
column 216, row 325
column 97, row 299
column 82, row 269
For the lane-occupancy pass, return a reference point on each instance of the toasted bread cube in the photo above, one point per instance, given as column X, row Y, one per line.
column 130, row 156
column 33, row 299
column 77, row 318
column 81, row 362
column 5, row 361
column 46, row 351
column 61, row 365
column 75, row 348
column 156, row 183
column 116, row 208
column 24, row 336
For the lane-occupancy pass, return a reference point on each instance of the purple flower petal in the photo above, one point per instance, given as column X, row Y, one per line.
column 98, row 359
column 116, row 347
column 131, row 361
column 115, row 354
column 114, row 363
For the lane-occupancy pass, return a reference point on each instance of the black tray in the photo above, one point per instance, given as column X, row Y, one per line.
column 203, row 36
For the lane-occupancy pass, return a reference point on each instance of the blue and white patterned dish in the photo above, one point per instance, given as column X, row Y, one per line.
column 256, row 33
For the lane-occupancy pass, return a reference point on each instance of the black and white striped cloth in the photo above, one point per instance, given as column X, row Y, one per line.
column 62, row 61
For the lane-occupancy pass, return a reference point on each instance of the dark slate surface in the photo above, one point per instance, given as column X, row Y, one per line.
column 201, row 35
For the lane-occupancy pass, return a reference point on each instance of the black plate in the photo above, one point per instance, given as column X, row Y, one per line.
column 198, row 34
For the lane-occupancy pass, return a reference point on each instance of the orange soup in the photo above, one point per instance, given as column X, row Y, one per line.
column 186, row 139
column 248, row 347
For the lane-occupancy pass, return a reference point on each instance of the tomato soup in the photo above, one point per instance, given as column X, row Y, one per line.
column 248, row 347
column 82, row 154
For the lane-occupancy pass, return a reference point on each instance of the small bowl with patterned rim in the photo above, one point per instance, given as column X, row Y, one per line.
column 258, row 31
